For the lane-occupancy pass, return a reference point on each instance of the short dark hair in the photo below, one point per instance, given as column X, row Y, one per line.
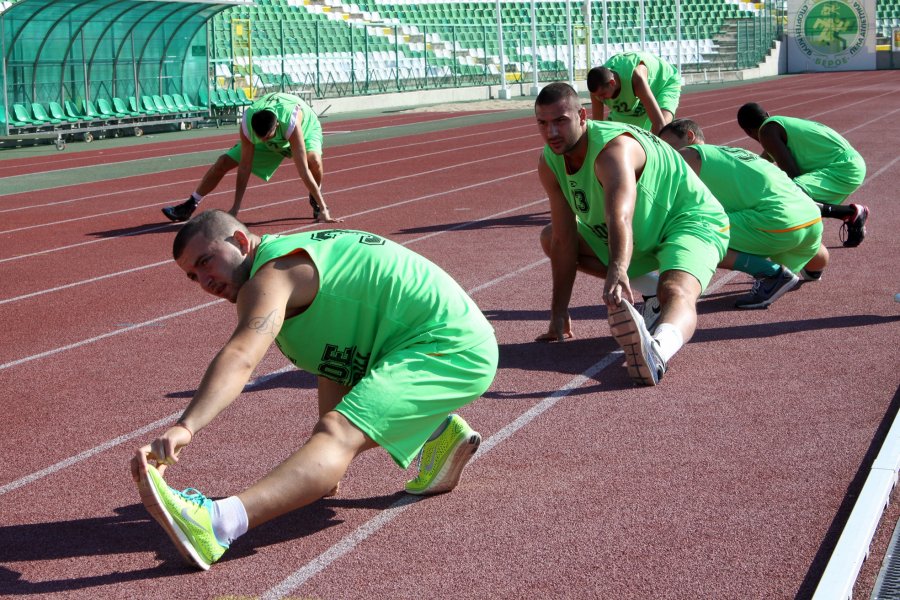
column 211, row 224
column 263, row 121
column 599, row 77
column 554, row 92
column 681, row 127
column 751, row 116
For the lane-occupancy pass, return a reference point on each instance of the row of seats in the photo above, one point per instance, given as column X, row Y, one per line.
column 36, row 116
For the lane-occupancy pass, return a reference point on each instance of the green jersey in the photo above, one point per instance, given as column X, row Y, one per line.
column 290, row 110
column 743, row 181
column 659, row 76
column 668, row 191
column 813, row 145
column 374, row 297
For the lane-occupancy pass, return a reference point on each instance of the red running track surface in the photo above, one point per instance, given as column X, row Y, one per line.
column 730, row 480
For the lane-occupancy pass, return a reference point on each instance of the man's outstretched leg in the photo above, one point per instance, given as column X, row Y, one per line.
column 202, row 529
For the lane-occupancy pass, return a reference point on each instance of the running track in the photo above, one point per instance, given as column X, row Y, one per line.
column 730, row 480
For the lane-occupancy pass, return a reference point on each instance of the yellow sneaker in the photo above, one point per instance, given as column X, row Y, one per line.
column 441, row 460
column 185, row 516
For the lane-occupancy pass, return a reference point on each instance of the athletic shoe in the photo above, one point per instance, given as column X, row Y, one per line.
column 651, row 311
column 853, row 230
column 441, row 460
column 185, row 516
column 810, row 275
column 315, row 207
column 645, row 365
column 767, row 290
column 180, row 212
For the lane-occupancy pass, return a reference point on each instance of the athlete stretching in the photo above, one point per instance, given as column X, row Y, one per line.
column 395, row 343
column 776, row 229
column 818, row 159
column 638, row 88
column 622, row 204
column 275, row 127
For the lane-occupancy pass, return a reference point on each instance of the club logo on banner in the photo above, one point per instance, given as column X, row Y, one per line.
column 831, row 35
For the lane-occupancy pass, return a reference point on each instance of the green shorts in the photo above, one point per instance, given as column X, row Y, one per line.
column 407, row 394
column 833, row 184
column 266, row 160
column 695, row 248
column 792, row 247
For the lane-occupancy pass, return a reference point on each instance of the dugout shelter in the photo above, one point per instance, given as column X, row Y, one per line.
column 79, row 67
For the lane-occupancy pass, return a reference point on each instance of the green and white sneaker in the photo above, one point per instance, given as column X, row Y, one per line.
column 441, row 460
column 185, row 516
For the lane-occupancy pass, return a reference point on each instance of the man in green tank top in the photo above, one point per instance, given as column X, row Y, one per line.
column 638, row 88
column 818, row 159
column 396, row 344
column 274, row 127
column 623, row 204
column 770, row 216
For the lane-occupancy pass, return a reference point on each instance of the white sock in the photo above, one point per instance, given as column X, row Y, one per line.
column 670, row 340
column 229, row 519
column 646, row 284
column 197, row 197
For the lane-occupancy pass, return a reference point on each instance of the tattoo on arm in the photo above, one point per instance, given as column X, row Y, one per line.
column 265, row 325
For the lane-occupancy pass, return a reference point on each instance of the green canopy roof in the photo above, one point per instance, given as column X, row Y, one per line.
column 56, row 50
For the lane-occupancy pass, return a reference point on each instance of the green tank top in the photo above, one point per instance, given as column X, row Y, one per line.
column 743, row 181
column 285, row 107
column 666, row 189
column 812, row 144
column 375, row 297
column 658, row 73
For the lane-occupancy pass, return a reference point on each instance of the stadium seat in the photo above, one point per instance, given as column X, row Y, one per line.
column 72, row 111
column 40, row 114
column 106, row 111
column 170, row 104
column 148, row 107
column 57, row 112
column 159, row 104
column 22, row 116
column 122, row 108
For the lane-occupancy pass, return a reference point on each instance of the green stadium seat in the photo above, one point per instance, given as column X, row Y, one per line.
column 40, row 114
column 72, row 111
column 21, row 115
column 170, row 104
column 233, row 97
column 89, row 110
column 120, row 107
column 106, row 111
column 148, row 107
column 159, row 104
column 57, row 112
column 15, row 122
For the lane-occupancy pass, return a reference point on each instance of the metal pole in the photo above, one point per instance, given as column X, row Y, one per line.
column 588, row 31
column 535, row 88
column 605, row 32
column 504, row 92
column 570, row 46
column 643, row 20
column 678, row 31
